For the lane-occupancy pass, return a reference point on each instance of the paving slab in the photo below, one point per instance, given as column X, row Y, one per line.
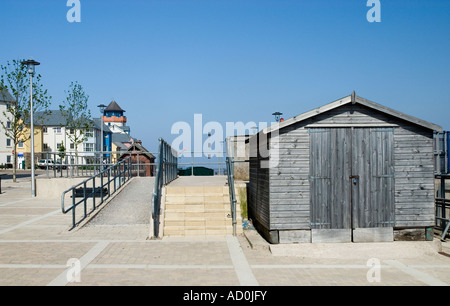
column 37, row 248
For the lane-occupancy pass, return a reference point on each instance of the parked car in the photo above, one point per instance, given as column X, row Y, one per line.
column 44, row 163
column 59, row 165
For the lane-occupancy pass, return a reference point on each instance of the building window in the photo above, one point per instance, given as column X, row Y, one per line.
column 72, row 131
column 8, row 142
column 20, row 144
column 8, row 158
column 72, row 146
column 89, row 133
column 44, row 129
column 58, row 130
column 58, row 145
column 8, row 124
column 45, row 147
column 89, row 147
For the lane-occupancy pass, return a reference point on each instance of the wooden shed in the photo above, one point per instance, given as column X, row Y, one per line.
column 143, row 162
column 352, row 170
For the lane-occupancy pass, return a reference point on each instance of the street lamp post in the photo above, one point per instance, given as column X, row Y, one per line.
column 31, row 70
column 102, row 109
column 277, row 116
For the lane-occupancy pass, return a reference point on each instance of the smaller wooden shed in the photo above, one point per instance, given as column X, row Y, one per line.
column 352, row 170
column 143, row 162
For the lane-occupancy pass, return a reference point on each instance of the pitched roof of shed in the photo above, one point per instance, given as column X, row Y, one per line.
column 352, row 99
column 136, row 147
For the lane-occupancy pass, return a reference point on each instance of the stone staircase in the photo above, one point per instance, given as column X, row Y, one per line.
column 199, row 211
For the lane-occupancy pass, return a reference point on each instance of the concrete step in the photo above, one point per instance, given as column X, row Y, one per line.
column 198, row 231
column 198, row 210
column 193, row 190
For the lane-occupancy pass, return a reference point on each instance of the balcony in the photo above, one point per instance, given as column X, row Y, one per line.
column 115, row 119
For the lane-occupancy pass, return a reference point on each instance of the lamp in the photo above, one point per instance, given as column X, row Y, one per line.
column 31, row 71
column 102, row 110
column 277, row 116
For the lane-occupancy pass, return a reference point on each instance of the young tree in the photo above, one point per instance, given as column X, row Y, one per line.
column 15, row 80
column 77, row 115
column 62, row 151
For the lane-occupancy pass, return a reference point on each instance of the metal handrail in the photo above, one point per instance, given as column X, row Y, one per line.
column 120, row 172
column 69, row 168
column 230, row 177
column 442, row 206
column 166, row 172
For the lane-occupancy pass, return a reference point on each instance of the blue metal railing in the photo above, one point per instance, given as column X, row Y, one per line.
column 166, row 172
column 99, row 187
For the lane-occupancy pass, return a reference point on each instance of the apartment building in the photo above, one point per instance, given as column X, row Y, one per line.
column 6, row 144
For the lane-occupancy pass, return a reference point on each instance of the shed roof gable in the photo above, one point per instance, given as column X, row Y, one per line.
column 353, row 99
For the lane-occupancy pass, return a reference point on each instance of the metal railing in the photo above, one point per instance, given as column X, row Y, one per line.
column 166, row 172
column 230, row 176
column 88, row 163
column 96, row 189
column 193, row 160
column 441, row 144
column 442, row 207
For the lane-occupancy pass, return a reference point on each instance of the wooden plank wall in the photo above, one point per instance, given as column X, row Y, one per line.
column 259, row 191
column 280, row 196
column 414, row 177
column 289, row 181
column 373, row 161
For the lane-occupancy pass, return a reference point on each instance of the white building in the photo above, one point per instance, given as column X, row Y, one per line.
column 6, row 144
column 55, row 134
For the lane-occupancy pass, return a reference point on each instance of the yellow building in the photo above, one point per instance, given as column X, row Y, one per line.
column 24, row 147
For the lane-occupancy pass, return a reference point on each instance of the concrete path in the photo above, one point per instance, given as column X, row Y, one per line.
column 36, row 248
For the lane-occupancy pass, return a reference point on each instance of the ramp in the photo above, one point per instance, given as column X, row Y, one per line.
column 132, row 206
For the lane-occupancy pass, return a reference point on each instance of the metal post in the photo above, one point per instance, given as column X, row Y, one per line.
column 138, row 165
column 54, row 166
column 109, row 181
column 93, row 193
column 445, row 152
column 101, row 187
column 33, row 181
column 73, row 207
column 84, row 199
column 230, row 172
column 101, row 137
column 156, row 192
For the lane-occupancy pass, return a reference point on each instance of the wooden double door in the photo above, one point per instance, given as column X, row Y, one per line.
column 352, row 178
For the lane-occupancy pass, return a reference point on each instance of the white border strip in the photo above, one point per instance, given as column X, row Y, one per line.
column 61, row 280
column 28, row 222
column 241, row 266
column 421, row 276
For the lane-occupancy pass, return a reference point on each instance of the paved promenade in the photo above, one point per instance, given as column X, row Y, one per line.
column 36, row 248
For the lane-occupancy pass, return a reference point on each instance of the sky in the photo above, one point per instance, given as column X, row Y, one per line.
column 234, row 60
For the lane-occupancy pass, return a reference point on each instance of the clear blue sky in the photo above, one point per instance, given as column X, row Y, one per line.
column 235, row 60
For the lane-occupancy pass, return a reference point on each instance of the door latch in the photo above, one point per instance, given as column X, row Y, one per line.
column 355, row 178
